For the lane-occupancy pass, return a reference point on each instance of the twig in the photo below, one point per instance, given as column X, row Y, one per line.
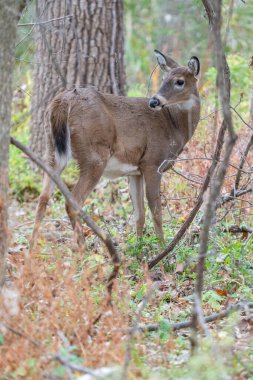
column 242, row 162
column 45, row 22
column 186, row 324
column 72, row 202
column 185, row 177
column 21, row 334
column 43, row 221
column 240, row 117
column 167, row 164
column 74, row 367
column 25, row 37
column 232, row 196
column 230, row 13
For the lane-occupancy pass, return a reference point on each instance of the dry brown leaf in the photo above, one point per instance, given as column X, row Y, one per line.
column 179, row 268
column 244, row 235
column 221, row 292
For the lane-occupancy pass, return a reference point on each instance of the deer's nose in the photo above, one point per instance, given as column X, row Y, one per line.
column 154, row 102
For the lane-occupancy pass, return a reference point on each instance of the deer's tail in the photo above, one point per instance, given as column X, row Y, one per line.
column 58, row 120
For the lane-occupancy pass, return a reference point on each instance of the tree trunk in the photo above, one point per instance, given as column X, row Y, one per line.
column 83, row 47
column 8, row 20
column 251, row 104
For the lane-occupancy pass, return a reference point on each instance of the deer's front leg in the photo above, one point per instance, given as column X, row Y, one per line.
column 137, row 197
column 153, row 182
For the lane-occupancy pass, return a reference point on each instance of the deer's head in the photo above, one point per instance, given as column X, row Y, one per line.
column 179, row 84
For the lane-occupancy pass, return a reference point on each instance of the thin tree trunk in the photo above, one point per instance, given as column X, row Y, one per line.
column 8, row 22
column 214, row 12
column 83, row 47
column 251, row 104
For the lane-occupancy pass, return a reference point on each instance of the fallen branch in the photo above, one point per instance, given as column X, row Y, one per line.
column 99, row 373
column 233, row 229
column 186, row 324
column 72, row 202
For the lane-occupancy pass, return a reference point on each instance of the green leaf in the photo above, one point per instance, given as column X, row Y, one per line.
column 59, row 371
column 1, row 339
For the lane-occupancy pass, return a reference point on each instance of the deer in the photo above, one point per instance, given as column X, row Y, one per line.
column 114, row 136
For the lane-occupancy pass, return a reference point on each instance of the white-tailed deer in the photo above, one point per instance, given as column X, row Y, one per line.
column 119, row 136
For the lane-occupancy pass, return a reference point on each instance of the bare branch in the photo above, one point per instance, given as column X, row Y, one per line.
column 232, row 196
column 168, row 250
column 71, row 200
column 240, row 117
column 242, row 162
column 46, row 21
column 185, row 177
column 223, row 80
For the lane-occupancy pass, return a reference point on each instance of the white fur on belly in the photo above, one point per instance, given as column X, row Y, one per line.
column 115, row 168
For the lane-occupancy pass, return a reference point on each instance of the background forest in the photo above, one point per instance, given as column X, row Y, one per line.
column 189, row 316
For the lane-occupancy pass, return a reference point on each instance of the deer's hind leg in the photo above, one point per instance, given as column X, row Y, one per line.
column 47, row 190
column 90, row 173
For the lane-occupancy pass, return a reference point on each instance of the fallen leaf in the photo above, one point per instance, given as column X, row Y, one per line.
column 244, row 235
column 221, row 292
column 179, row 268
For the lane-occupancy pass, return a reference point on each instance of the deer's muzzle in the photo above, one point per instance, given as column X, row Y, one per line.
column 154, row 102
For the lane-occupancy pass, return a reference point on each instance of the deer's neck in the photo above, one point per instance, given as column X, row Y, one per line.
column 184, row 117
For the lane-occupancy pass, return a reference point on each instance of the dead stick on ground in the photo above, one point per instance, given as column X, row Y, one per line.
column 71, row 200
column 186, row 324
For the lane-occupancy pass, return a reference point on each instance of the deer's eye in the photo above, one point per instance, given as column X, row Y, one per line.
column 179, row 82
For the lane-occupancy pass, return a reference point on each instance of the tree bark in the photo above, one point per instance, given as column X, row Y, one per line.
column 83, row 47
column 8, row 21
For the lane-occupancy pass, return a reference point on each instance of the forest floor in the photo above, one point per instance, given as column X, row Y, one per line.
column 54, row 317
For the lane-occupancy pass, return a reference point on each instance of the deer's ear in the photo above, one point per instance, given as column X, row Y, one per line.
column 166, row 63
column 194, row 66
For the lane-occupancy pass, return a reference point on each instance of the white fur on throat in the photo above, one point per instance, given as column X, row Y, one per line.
column 115, row 168
column 188, row 105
